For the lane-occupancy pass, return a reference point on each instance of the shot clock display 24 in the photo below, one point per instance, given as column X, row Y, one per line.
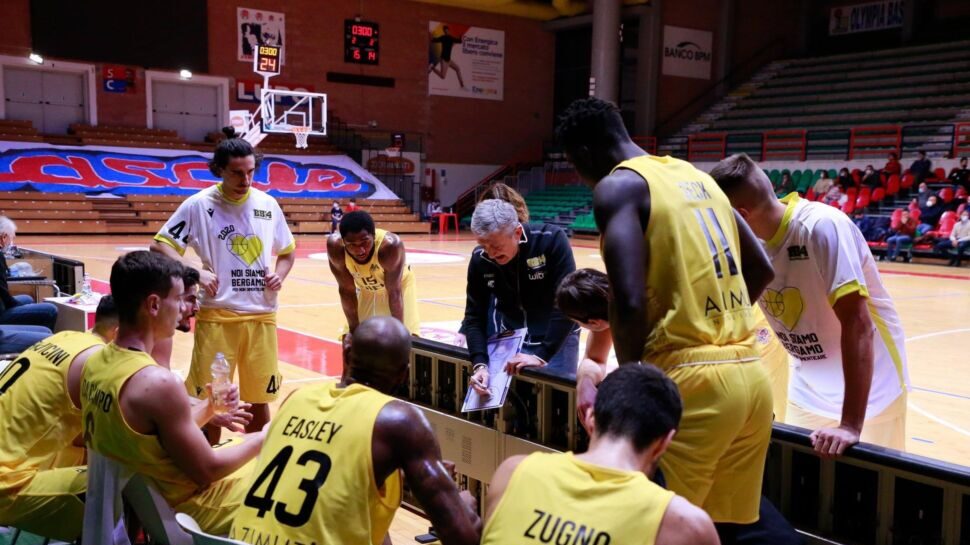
column 361, row 42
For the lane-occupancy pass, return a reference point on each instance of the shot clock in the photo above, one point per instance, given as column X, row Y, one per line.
column 361, row 42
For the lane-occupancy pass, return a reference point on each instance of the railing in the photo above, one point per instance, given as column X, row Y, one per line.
column 465, row 202
column 707, row 146
column 784, row 144
column 961, row 139
column 869, row 495
column 876, row 140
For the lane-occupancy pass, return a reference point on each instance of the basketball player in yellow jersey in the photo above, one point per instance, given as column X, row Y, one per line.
column 41, row 488
column 337, row 454
column 138, row 413
column 683, row 274
column 603, row 495
column 372, row 273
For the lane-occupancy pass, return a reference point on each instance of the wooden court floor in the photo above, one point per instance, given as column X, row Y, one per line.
column 933, row 301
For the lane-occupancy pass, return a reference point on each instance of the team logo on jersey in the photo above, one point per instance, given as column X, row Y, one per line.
column 785, row 305
column 210, row 212
column 536, row 262
column 262, row 214
column 247, row 248
column 797, row 253
column 374, row 267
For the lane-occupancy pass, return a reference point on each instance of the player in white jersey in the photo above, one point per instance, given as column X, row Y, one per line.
column 830, row 310
column 235, row 229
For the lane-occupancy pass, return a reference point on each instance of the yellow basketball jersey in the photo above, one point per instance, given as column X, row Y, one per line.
column 37, row 418
column 314, row 480
column 107, row 432
column 557, row 498
column 696, row 296
column 370, row 276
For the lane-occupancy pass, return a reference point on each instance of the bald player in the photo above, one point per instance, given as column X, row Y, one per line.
column 682, row 272
column 603, row 495
column 372, row 273
column 138, row 412
column 41, row 489
column 830, row 309
column 331, row 468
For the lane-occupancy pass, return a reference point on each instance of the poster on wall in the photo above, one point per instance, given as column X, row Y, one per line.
column 866, row 17
column 687, row 52
column 256, row 27
column 465, row 61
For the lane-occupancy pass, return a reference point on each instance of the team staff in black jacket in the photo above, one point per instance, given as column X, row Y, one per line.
column 521, row 266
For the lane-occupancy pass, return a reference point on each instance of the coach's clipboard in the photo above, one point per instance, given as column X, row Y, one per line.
column 500, row 349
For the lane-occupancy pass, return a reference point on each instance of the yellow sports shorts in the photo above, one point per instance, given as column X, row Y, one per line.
column 374, row 303
column 776, row 361
column 887, row 429
column 717, row 458
column 50, row 505
column 248, row 341
column 214, row 508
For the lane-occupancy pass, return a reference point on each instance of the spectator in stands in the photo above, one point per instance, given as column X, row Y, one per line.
column 19, row 309
column 785, row 186
column 959, row 240
column 834, row 195
column 352, row 205
column 901, row 236
column 923, row 195
column 869, row 226
column 930, row 214
column 892, row 165
column 823, row 184
column 845, row 178
column 960, row 176
column 921, row 167
column 433, row 211
column 871, row 178
column 336, row 214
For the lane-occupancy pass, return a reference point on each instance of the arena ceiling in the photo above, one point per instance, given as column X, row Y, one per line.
column 543, row 10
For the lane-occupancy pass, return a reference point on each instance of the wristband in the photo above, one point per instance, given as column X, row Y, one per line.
column 478, row 366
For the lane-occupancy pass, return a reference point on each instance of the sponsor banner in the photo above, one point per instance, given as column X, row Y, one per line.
column 122, row 171
column 687, row 52
column 866, row 17
column 257, row 27
column 250, row 90
column 465, row 61
column 385, row 164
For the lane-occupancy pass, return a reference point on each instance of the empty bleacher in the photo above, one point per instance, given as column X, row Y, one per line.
column 924, row 88
column 75, row 213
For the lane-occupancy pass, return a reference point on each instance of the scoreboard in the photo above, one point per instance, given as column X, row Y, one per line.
column 266, row 61
column 361, row 42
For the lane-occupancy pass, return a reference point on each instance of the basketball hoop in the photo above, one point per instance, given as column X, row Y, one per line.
column 301, row 132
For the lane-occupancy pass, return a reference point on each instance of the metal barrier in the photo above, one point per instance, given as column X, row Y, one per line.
column 870, row 495
column 876, row 140
column 784, row 144
column 648, row 143
column 708, row 146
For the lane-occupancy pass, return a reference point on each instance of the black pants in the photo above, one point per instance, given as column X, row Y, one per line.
column 771, row 529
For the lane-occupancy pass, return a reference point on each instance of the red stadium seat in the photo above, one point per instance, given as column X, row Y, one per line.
column 939, row 173
column 857, row 176
column 947, row 221
column 892, row 187
column 883, row 178
column 961, row 193
column 907, row 181
column 852, row 193
column 896, row 218
column 849, row 206
column 865, row 195
column 912, row 205
column 878, row 194
column 915, row 214
column 961, row 208
column 836, row 204
column 947, row 194
column 810, row 194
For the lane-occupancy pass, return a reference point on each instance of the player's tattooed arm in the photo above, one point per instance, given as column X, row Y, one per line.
column 621, row 206
column 345, row 282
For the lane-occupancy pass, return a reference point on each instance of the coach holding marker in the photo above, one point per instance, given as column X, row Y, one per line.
column 521, row 266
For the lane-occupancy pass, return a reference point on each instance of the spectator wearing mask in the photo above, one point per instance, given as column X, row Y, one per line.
column 834, row 195
column 960, row 176
column 959, row 240
column 892, row 165
column 921, row 167
column 871, row 178
column 900, row 236
column 930, row 214
column 845, row 178
column 923, row 195
column 823, row 184
column 785, row 186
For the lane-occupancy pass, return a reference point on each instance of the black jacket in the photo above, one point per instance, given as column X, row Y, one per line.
column 524, row 290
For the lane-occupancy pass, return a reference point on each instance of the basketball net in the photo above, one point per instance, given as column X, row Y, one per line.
column 301, row 133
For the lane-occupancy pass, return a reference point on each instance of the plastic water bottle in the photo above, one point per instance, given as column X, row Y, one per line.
column 87, row 294
column 220, row 383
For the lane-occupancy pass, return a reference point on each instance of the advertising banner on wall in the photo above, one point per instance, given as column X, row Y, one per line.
column 125, row 171
column 866, row 17
column 687, row 52
column 465, row 61
column 255, row 27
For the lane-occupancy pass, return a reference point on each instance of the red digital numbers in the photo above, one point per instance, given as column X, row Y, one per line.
column 360, row 30
column 361, row 42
